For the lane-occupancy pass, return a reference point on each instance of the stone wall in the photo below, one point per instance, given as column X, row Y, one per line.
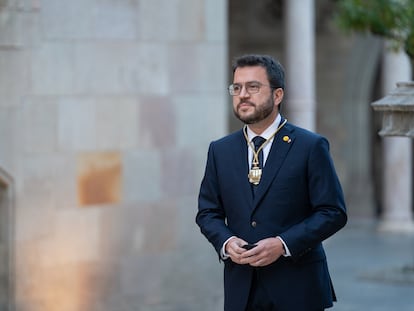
column 6, row 242
column 106, row 111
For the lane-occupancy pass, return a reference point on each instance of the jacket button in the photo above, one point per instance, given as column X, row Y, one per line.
column 254, row 224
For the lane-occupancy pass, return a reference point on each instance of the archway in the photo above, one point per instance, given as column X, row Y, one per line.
column 363, row 151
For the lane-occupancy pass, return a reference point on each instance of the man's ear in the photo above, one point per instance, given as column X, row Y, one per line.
column 278, row 95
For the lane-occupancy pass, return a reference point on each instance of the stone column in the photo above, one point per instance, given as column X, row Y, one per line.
column 300, row 62
column 397, row 152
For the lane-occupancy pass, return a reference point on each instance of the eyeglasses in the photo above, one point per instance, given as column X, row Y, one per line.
column 252, row 87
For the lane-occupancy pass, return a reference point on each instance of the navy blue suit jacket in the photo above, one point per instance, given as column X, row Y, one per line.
column 299, row 199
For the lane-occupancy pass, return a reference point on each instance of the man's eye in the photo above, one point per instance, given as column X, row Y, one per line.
column 253, row 87
column 236, row 88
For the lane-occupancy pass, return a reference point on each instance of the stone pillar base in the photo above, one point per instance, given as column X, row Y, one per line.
column 396, row 226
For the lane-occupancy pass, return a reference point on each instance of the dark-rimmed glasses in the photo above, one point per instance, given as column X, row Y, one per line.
column 252, row 87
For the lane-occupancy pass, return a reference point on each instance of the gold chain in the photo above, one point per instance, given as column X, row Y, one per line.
column 255, row 173
column 251, row 145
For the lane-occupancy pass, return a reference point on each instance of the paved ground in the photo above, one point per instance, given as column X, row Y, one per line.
column 371, row 270
column 368, row 268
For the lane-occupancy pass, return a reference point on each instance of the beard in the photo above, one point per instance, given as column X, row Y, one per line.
column 260, row 113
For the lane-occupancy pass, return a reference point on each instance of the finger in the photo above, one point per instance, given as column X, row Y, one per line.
column 253, row 260
column 233, row 246
column 257, row 263
column 238, row 248
column 256, row 251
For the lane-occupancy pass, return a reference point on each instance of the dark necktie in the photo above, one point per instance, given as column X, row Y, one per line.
column 258, row 141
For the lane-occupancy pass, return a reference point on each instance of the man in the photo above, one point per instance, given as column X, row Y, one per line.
column 266, row 209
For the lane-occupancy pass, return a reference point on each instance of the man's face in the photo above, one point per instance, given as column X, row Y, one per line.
column 252, row 108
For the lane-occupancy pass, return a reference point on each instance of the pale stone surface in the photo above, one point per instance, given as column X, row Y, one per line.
column 157, row 122
column 7, row 243
column 53, row 259
column 122, row 234
column 116, row 122
column 64, row 181
column 19, row 27
column 13, row 33
column 33, row 223
column 213, row 110
column 397, row 152
column 64, row 287
column 397, row 215
column 113, row 67
column 110, row 123
column 14, row 76
column 142, row 176
column 76, row 124
column 181, row 26
column 37, row 190
column 30, row 26
column 94, row 19
column 9, row 29
column 39, row 125
column 7, row 138
column 31, row 170
column 398, row 123
column 129, row 77
column 157, row 30
column 198, row 68
column 76, row 236
column 356, row 111
column 108, row 67
column 216, row 10
column 300, row 66
column 333, row 119
column 52, row 68
column 397, row 109
column 150, row 73
column 178, row 165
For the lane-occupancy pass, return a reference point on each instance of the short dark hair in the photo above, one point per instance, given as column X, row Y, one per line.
column 275, row 71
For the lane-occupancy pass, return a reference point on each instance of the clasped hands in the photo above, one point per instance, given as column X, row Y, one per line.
column 266, row 252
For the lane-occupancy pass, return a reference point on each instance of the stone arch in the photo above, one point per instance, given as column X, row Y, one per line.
column 6, row 242
column 360, row 84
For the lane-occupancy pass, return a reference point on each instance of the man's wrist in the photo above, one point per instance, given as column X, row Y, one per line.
column 224, row 254
column 286, row 252
column 284, row 249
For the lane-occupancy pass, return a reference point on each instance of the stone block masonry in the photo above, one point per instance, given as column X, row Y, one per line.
column 106, row 112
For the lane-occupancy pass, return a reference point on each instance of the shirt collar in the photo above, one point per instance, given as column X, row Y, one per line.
column 267, row 132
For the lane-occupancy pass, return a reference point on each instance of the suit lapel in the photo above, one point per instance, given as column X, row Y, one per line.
column 280, row 148
column 242, row 165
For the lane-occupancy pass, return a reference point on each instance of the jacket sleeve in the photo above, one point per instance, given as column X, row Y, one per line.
column 327, row 211
column 211, row 217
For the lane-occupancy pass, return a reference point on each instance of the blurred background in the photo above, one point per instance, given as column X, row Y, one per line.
column 107, row 108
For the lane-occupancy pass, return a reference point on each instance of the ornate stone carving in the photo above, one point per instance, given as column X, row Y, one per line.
column 398, row 111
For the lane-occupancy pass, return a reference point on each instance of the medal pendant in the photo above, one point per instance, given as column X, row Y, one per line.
column 254, row 175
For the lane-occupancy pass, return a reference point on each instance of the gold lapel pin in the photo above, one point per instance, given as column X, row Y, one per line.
column 287, row 139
